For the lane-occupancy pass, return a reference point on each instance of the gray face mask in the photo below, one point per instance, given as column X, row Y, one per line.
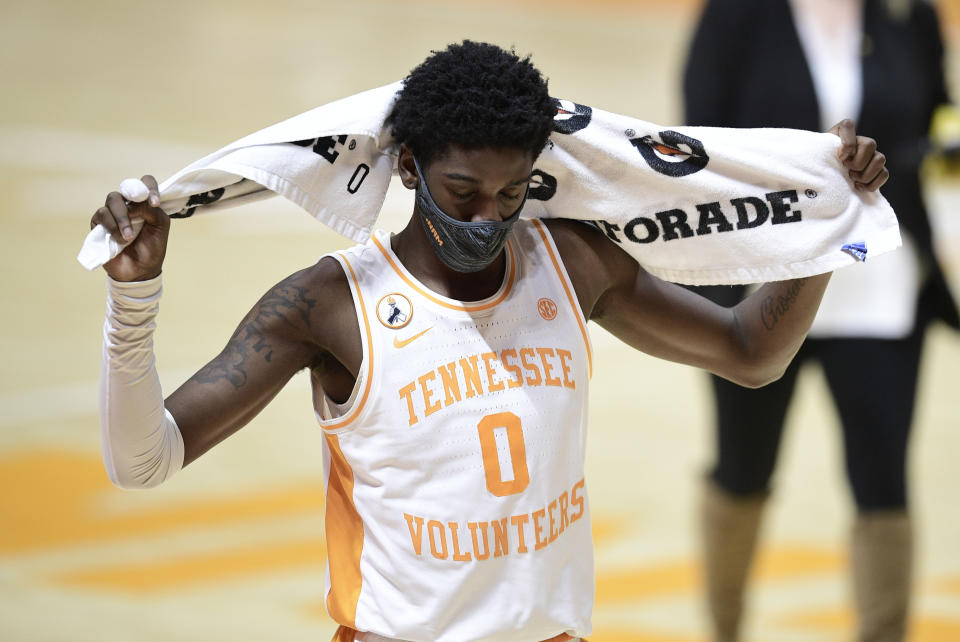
column 464, row 246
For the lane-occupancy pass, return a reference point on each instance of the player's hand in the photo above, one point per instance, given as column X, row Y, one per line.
column 865, row 166
column 142, row 259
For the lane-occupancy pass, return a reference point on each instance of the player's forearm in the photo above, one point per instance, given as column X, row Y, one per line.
column 773, row 322
column 141, row 443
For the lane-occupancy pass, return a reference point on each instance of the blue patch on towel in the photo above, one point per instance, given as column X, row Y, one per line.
column 856, row 250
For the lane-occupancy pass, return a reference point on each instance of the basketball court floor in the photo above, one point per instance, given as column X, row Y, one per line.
column 232, row 548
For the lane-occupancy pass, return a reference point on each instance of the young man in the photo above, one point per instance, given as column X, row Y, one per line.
column 450, row 365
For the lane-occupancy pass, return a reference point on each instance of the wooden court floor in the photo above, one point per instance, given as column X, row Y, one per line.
column 232, row 548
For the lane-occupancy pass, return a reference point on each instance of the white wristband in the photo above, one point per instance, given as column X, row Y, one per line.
column 142, row 445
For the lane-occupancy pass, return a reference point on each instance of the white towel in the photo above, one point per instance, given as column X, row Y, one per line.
column 696, row 205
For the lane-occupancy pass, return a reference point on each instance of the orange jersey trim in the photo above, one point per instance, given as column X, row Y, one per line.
column 577, row 312
column 344, row 634
column 355, row 411
column 344, row 529
column 463, row 308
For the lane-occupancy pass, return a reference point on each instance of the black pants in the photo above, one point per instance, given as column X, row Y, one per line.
column 873, row 383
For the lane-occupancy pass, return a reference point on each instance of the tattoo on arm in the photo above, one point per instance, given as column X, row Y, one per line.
column 774, row 308
column 286, row 302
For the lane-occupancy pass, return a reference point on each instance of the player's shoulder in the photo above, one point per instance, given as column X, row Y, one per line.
column 570, row 232
column 325, row 277
column 327, row 280
column 580, row 241
column 308, row 303
column 593, row 262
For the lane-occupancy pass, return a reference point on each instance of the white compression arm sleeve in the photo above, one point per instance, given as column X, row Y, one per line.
column 142, row 445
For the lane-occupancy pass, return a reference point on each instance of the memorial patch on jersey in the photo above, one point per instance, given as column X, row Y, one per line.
column 394, row 310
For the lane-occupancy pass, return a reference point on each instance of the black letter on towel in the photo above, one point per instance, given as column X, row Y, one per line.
column 711, row 214
column 542, row 186
column 357, row 179
column 781, row 208
column 673, row 220
column 196, row 200
column 325, row 146
column 743, row 216
column 683, row 163
column 610, row 229
column 652, row 230
column 571, row 117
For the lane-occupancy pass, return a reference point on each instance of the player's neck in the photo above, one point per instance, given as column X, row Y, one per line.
column 417, row 255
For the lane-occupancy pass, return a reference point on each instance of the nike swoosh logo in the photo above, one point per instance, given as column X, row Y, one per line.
column 400, row 343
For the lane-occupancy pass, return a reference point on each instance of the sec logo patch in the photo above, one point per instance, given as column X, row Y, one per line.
column 547, row 309
column 394, row 310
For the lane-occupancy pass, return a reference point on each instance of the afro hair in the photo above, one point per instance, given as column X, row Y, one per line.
column 473, row 94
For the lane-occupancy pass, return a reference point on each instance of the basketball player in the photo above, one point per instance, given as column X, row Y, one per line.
column 450, row 366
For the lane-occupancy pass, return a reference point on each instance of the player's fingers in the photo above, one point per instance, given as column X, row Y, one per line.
column 847, row 132
column 106, row 219
column 151, row 183
column 874, row 168
column 877, row 182
column 866, row 151
column 117, row 208
column 98, row 218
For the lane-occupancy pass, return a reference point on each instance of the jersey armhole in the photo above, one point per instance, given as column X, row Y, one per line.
column 567, row 285
column 344, row 417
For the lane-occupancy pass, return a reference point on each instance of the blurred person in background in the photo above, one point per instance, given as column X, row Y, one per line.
column 805, row 64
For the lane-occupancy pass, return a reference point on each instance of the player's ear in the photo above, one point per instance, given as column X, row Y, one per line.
column 407, row 169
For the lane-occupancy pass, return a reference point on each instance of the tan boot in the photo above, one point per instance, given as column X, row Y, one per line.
column 881, row 560
column 729, row 526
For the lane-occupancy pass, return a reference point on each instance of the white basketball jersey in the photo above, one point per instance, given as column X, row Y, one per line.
column 456, row 505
